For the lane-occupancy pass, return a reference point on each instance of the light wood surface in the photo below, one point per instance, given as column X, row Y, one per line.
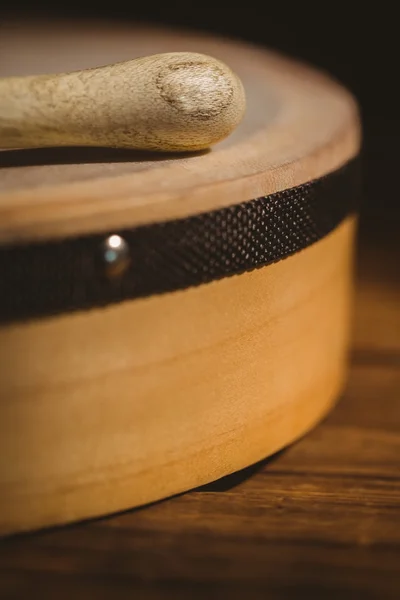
column 318, row 520
column 177, row 101
column 298, row 125
column 105, row 409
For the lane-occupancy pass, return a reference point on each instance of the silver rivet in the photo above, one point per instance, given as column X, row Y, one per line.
column 115, row 253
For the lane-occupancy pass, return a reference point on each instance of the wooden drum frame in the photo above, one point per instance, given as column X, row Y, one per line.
column 114, row 403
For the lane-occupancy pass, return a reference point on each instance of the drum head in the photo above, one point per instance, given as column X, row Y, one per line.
column 298, row 126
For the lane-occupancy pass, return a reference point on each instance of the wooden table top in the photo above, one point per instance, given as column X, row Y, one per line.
column 320, row 519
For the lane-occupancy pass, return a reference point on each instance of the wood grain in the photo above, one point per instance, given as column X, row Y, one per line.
column 110, row 408
column 319, row 520
column 171, row 102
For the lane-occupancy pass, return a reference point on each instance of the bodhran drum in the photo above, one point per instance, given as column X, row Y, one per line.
column 166, row 320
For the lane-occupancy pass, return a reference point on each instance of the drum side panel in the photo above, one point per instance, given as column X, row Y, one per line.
column 112, row 408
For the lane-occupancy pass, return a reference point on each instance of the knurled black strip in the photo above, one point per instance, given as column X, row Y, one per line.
column 46, row 278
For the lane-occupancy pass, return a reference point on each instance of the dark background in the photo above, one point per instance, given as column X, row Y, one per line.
column 356, row 42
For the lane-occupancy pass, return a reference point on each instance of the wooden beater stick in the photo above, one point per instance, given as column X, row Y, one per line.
column 167, row 102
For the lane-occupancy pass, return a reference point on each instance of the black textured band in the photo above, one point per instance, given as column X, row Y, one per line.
column 46, row 278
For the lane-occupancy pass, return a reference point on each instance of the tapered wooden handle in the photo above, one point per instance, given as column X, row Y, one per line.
column 168, row 102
